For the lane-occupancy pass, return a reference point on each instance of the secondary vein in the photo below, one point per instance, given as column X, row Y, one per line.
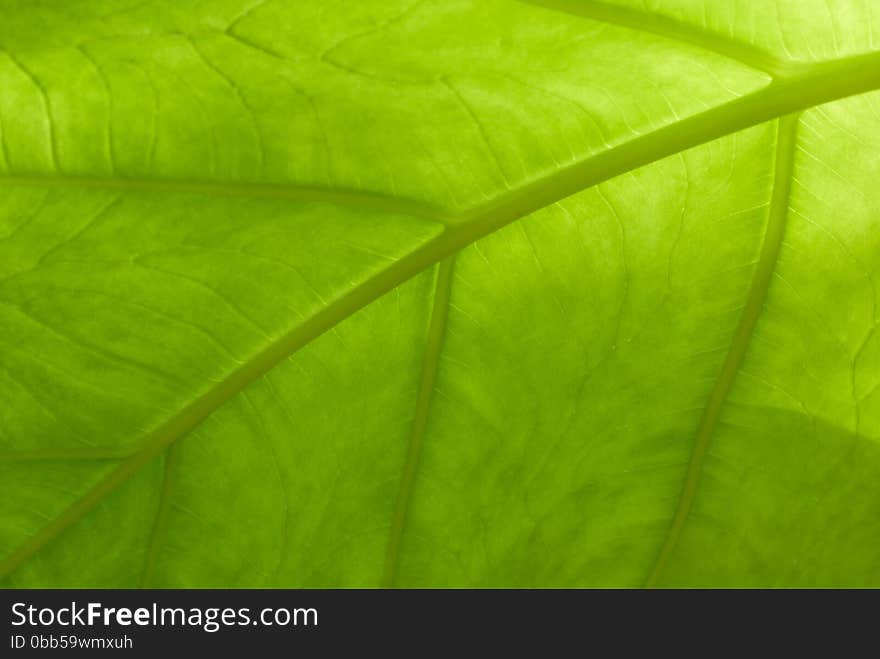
column 157, row 533
column 433, row 348
column 739, row 344
column 75, row 454
column 824, row 83
column 674, row 30
column 354, row 198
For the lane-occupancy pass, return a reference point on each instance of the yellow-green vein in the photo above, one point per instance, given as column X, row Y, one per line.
column 669, row 28
column 826, row 82
column 739, row 344
column 160, row 521
column 356, row 198
column 433, row 348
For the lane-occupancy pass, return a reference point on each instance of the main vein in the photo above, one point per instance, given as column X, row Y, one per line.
column 739, row 344
column 822, row 83
column 433, row 348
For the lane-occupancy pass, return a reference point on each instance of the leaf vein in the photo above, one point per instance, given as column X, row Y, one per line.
column 823, row 83
column 433, row 349
column 739, row 344
column 674, row 30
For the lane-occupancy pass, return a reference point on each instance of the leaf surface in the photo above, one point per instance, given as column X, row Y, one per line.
column 440, row 293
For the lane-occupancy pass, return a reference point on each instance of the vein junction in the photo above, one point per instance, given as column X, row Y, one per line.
column 794, row 88
column 433, row 348
column 755, row 300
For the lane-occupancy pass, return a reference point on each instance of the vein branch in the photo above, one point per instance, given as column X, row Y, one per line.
column 160, row 522
column 824, row 83
column 674, row 30
column 85, row 454
column 351, row 198
column 755, row 302
column 433, row 348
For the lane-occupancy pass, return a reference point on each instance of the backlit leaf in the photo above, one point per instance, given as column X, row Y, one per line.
column 439, row 293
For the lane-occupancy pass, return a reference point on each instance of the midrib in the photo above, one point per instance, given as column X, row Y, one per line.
column 822, row 83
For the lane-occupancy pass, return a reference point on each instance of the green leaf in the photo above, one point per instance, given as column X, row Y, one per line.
column 439, row 293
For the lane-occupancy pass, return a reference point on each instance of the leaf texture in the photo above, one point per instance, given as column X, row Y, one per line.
column 439, row 293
